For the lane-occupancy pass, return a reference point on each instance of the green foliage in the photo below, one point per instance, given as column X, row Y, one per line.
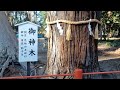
column 111, row 19
column 114, row 43
column 38, row 17
column 110, row 43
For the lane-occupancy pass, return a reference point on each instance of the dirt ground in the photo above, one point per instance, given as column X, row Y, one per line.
column 106, row 53
column 109, row 60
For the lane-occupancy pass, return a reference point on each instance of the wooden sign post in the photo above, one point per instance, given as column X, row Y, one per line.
column 28, row 43
column 28, row 68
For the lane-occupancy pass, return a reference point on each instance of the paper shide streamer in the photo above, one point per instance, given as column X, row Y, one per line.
column 68, row 33
column 59, row 28
column 96, row 31
column 90, row 29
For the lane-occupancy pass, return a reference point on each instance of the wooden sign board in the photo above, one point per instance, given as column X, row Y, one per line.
column 28, row 42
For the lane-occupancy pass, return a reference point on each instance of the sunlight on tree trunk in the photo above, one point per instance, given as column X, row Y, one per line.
column 80, row 52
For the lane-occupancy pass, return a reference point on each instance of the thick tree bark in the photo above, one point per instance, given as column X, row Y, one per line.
column 8, row 43
column 80, row 52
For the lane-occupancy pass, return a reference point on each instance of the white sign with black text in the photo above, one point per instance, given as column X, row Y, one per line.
column 28, row 42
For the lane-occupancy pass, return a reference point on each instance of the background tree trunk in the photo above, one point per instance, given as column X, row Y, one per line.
column 30, row 14
column 8, row 43
column 80, row 52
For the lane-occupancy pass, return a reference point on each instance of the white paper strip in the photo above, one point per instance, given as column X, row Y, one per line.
column 90, row 29
column 60, row 28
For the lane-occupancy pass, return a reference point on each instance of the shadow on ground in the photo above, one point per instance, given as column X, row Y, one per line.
column 110, row 65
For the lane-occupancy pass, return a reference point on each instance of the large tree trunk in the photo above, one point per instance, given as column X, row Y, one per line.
column 80, row 52
column 8, row 43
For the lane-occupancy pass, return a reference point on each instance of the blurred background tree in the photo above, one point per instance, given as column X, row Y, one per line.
column 37, row 17
column 110, row 24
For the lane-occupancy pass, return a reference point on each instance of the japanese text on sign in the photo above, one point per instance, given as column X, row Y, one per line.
column 28, row 43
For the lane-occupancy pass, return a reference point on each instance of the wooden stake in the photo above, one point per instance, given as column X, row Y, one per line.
column 28, row 68
column 78, row 74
